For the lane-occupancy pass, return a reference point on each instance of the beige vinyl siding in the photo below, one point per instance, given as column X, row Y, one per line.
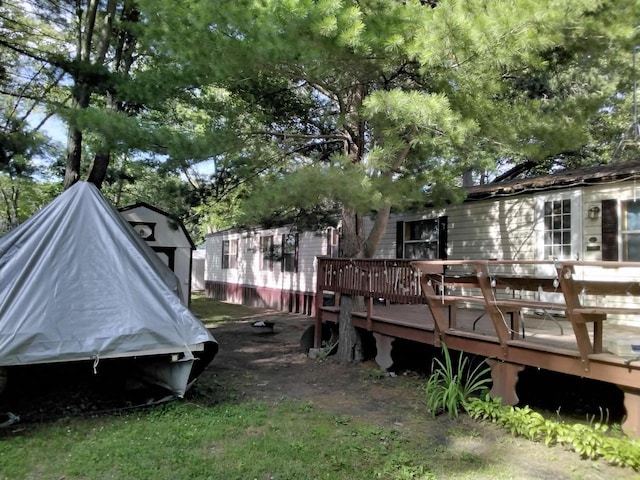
column 592, row 228
column 500, row 229
column 311, row 245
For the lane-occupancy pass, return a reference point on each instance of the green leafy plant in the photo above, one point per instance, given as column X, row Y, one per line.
column 452, row 384
column 594, row 440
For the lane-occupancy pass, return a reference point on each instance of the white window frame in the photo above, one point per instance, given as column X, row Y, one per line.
column 575, row 196
column 290, row 251
column 623, row 231
column 267, row 253
column 230, row 250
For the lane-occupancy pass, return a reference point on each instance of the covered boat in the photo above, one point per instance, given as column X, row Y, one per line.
column 77, row 283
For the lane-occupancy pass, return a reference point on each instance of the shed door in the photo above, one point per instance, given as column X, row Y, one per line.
column 168, row 256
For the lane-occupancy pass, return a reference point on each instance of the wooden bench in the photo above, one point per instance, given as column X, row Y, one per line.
column 451, row 302
column 587, row 310
column 488, row 284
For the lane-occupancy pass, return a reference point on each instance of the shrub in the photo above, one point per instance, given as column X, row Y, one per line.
column 589, row 441
column 451, row 385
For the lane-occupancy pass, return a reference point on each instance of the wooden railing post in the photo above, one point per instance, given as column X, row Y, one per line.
column 570, row 292
column 441, row 323
column 497, row 317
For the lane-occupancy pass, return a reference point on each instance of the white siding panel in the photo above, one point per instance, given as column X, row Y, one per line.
column 249, row 273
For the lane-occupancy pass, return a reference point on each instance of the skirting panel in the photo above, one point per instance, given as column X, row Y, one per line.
column 261, row 297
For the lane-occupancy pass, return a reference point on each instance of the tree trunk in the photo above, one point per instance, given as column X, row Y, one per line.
column 11, row 205
column 352, row 239
column 74, row 155
column 89, row 40
column 122, row 61
column 377, row 231
column 121, row 174
column 98, row 170
column 350, row 346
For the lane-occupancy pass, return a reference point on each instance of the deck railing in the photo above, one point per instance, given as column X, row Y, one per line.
column 391, row 280
column 587, row 292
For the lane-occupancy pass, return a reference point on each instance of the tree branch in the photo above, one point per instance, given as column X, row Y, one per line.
column 299, row 135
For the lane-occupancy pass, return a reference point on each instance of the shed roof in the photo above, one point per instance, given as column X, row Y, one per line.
column 161, row 212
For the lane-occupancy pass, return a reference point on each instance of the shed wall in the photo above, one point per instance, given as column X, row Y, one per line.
column 167, row 234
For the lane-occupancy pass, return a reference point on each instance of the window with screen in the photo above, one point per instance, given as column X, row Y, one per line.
column 267, row 252
column 630, row 231
column 290, row 252
column 421, row 239
column 229, row 254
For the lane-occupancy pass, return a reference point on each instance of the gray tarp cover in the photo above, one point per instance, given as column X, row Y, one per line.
column 76, row 282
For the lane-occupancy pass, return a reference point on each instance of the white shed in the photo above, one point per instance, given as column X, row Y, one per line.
column 167, row 237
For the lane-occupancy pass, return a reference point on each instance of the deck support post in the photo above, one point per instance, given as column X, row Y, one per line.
column 384, row 345
column 505, row 378
column 317, row 336
column 631, row 423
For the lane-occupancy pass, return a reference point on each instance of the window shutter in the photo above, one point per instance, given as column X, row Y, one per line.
column 442, row 238
column 610, row 230
column 282, row 254
column 296, row 252
column 400, row 239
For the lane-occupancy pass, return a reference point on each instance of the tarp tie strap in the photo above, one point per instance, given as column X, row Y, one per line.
column 96, row 360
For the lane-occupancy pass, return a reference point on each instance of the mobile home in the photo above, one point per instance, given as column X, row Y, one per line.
column 586, row 214
column 271, row 267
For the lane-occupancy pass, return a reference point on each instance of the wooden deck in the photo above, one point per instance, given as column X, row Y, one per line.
column 429, row 302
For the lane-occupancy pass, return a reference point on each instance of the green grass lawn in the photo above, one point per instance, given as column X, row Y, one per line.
column 182, row 441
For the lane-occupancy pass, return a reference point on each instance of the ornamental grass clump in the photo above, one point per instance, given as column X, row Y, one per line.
column 452, row 384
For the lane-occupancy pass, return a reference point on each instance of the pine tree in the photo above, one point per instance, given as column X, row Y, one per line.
column 378, row 105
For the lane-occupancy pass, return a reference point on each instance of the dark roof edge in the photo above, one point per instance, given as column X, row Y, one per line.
column 609, row 173
column 161, row 212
